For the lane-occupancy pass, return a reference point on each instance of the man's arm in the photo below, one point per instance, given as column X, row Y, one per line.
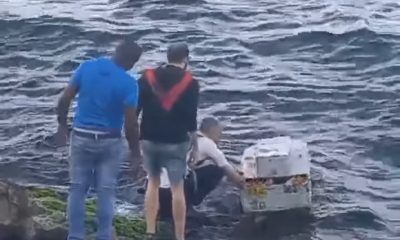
column 233, row 175
column 67, row 96
column 132, row 130
column 141, row 82
column 64, row 103
column 219, row 158
column 131, row 120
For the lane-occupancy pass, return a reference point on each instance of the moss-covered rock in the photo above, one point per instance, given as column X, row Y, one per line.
column 50, row 213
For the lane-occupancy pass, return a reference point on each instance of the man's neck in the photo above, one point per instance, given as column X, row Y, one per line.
column 206, row 135
column 118, row 63
column 202, row 133
column 179, row 65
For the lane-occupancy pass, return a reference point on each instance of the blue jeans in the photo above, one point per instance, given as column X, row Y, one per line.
column 93, row 161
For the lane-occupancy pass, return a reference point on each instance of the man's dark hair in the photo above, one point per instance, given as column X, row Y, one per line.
column 177, row 52
column 127, row 53
column 208, row 123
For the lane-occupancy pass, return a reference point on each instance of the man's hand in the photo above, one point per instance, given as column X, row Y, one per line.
column 61, row 136
column 240, row 181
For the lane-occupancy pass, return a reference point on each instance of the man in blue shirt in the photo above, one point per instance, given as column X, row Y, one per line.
column 107, row 95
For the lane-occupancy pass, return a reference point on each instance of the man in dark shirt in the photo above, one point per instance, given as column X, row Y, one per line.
column 168, row 99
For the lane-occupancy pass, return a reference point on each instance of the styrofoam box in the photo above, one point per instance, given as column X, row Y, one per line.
column 277, row 157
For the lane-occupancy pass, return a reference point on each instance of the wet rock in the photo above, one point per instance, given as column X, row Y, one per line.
column 31, row 213
column 224, row 200
column 15, row 214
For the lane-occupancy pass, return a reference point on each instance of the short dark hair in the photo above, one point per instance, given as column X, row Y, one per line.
column 177, row 52
column 128, row 51
column 208, row 123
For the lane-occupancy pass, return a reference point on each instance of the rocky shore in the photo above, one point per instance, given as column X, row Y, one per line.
column 33, row 213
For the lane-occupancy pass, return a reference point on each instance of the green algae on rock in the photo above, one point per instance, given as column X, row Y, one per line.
column 50, row 213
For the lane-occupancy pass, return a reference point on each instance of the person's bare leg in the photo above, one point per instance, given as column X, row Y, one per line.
column 151, row 204
column 179, row 210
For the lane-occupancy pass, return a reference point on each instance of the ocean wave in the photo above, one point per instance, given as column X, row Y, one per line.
column 325, row 72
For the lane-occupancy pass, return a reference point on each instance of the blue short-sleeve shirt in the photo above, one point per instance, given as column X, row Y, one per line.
column 104, row 91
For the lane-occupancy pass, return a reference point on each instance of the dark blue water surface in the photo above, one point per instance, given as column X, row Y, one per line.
column 325, row 71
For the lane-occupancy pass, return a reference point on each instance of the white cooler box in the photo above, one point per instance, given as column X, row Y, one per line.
column 279, row 159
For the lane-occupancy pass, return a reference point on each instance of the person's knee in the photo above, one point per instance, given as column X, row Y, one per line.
column 105, row 185
column 106, row 177
column 176, row 175
column 153, row 182
column 105, row 191
column 80, row 179
column 80, row 188
column 177, row 190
